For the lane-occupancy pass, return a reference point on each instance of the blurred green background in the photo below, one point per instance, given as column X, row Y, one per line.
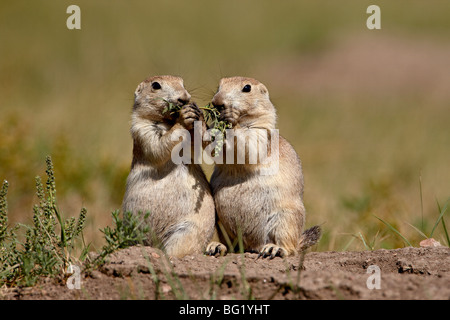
column 367, row 110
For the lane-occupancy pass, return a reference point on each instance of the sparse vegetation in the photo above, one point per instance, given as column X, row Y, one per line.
column 49, row 242
column 440, row 219
column 363, row 145
column 127, row 231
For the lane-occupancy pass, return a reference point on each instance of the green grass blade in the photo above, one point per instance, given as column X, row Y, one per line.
column 226, row 236
column 442, row 212
column 363, row 241
column 348, row 243
column 417, row 229
column 443, row 224
column 394, row 230
column 421, row 197
column 446, row 233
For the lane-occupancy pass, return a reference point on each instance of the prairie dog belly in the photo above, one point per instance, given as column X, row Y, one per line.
column 147, row 191
column 251, row 206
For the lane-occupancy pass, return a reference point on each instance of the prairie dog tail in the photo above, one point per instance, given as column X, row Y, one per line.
column 310, row 237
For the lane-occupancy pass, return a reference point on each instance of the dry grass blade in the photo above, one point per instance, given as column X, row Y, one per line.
column 395, row 231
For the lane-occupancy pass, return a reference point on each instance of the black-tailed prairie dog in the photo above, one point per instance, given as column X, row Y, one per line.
column 266, row 209
column 177, row 196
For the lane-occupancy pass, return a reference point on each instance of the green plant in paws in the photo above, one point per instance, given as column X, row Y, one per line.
column 219, row 127
column 171, row 108
column 212, row 119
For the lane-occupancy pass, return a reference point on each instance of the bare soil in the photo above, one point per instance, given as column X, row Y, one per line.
column 145, row 273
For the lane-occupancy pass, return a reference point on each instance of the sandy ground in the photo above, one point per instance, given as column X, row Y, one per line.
column 145, row 273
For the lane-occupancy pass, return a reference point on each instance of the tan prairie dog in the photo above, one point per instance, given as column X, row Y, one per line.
column 177, row 196
column 266, row 209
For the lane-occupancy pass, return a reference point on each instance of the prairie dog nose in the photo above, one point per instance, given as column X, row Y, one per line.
column 218, row 102
column 184, row 99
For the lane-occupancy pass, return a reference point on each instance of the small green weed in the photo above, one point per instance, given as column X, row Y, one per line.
column 127, row 231
column 49, row 243
column 440, row 219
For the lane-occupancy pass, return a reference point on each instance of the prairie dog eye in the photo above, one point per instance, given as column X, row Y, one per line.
column 156, row 86
column 247, row 88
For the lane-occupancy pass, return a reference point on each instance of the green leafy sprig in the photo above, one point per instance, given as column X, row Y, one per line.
column 212, row 119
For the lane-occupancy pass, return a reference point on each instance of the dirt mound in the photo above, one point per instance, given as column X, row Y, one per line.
column 145, row 273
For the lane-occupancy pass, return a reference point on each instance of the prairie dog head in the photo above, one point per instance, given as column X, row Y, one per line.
column 153, row 95
column 245, row 101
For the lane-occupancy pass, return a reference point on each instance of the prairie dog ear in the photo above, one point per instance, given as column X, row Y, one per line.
column 138, row 90
column 264, row 90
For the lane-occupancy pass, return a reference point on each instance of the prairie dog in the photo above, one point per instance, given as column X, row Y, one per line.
column 177, row 196
column 267, row 210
